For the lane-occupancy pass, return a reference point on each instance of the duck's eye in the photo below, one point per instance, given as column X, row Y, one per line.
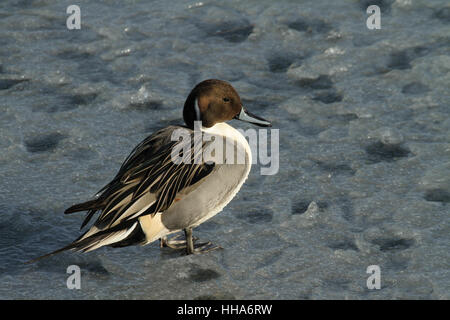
column 226, row 100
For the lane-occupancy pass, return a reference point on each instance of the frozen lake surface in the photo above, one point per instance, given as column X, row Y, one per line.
column 364, row 123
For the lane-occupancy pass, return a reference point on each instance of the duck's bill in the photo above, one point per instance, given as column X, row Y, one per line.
column 246, row 116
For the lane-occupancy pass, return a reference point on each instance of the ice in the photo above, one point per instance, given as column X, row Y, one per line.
column 364, row 145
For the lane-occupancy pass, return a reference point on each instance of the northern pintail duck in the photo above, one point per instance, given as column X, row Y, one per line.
column 153, row 196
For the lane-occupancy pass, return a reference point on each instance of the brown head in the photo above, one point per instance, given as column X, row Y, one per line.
column 213, row 101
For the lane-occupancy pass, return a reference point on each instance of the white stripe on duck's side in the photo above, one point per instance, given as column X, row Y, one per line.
column 197, row 110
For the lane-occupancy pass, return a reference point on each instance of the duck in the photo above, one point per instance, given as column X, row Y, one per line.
column 152, row 196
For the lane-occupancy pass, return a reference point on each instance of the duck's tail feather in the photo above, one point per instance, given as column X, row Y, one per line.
column 125, row 234
column 68, row 247
column 91, row 206
column 94, row 204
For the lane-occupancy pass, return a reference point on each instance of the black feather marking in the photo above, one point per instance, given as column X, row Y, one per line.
column 88, row 217
column 137, row 236
column 88, row 205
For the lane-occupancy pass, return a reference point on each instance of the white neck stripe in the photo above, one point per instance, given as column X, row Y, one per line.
column 197, row 110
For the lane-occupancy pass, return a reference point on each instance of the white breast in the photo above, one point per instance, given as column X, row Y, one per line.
column 231, row 134
column 229, row 176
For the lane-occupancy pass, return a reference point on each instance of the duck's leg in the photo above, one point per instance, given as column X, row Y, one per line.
column 164, row 242
column 197, row 248
column 189, row 241
column 174, row 242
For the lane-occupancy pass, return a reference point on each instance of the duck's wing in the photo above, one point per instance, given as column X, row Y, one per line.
column 146, row 184
column 149, row 179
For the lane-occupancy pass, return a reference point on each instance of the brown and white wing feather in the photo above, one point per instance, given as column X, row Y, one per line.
column 150, row 179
